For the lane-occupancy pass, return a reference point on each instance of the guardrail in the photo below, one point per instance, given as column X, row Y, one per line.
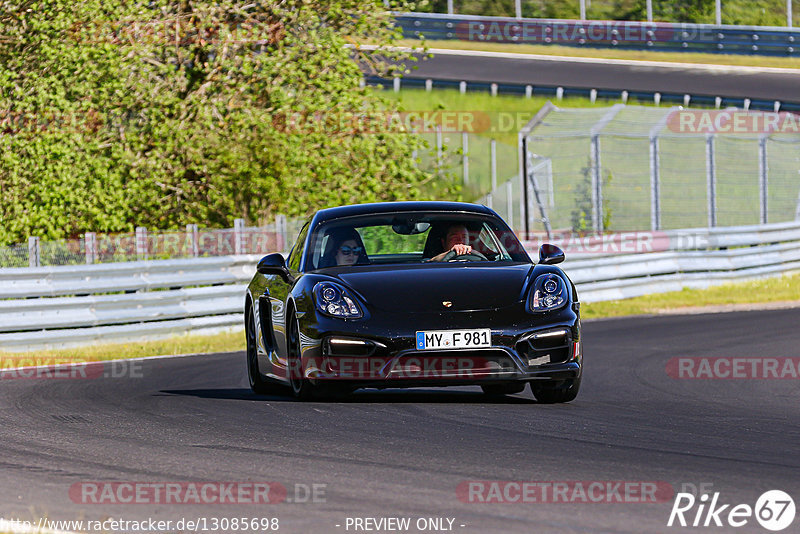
column 564, row 91
column 52, row 307
column 630, row 35
column 55, row 307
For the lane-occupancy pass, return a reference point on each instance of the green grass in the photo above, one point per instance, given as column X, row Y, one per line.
column 735, row 60
column 184, row 344
column 778, row 289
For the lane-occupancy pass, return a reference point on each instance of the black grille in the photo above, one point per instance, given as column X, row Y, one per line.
column 541, row 348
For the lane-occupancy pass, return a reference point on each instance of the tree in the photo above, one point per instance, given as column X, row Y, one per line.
column 164, row 113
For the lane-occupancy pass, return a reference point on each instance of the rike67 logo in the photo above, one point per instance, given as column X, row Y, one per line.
column 774, row 510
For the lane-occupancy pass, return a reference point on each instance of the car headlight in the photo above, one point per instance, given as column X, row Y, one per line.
column 549, row 292
column 332, row 299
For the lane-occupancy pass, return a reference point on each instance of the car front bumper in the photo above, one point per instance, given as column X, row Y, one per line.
column 378, row 353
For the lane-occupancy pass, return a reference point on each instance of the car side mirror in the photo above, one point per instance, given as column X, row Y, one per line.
column 272, row 264
column 550, row 254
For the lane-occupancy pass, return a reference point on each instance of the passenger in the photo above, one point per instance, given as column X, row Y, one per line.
column 347, row 253
column 344, row 248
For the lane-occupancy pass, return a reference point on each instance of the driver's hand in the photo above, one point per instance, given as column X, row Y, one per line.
column 461, row 249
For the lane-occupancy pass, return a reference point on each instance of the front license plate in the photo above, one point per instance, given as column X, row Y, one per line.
column 454, row 339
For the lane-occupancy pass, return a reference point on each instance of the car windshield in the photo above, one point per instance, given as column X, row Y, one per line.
column 398, row 238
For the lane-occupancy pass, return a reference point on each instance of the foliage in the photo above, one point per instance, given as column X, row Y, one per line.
column 382, row 240
column 159, row 114
column 581, row 216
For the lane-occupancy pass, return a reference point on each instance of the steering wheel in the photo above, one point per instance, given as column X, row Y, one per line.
column 470, row 256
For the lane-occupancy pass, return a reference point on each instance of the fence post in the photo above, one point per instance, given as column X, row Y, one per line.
column 449, row 7
column 597, row 182
column 90, row 247
column 510, row 203
column 711, row 180
column 438, row 147
column 492, row 173
column 192, row 235
column 597, row 186
column 34, row 256
column 493, row 163
column 281, row 231
column 655, row 197
column 238, row 236
column 141, row 242
column 465, row 156
column 763, row 177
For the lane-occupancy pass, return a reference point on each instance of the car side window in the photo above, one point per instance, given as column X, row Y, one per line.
column 297, row 250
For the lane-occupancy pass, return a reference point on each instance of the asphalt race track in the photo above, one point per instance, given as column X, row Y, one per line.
column 730, row 82
column 404, row 453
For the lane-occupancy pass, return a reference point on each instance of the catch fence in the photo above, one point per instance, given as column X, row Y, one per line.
column 627, row 168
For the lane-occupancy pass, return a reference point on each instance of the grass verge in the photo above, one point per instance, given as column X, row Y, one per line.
column 734, row 60
column 184, row 344
column 778, row 289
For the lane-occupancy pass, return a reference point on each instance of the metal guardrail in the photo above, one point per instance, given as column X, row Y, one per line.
column 626, row 35
column 564, row 91
column 694, row 258
column 55, row 307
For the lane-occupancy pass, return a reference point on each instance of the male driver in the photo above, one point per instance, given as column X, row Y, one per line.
column 456, row 239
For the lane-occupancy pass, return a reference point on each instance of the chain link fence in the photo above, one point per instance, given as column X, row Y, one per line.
column 627, row 168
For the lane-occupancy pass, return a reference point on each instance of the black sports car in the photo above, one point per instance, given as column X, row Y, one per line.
column 409, row 294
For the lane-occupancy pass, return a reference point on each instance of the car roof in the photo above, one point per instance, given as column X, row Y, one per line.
column 393, row 207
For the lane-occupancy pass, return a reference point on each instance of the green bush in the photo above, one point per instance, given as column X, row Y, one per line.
column 159, row 114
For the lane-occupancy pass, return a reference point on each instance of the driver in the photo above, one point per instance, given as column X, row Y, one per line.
column 456, row 239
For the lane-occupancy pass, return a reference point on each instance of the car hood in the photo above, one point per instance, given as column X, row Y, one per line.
column 426, row 288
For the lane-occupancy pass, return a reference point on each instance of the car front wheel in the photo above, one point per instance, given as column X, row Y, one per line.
column 301, row 386
column 257, row 382
column 564, row 392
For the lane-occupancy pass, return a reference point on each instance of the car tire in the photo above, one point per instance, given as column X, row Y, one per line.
column 257, row 382
column 302, row 389
column 503, row 389
column 566, row 392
